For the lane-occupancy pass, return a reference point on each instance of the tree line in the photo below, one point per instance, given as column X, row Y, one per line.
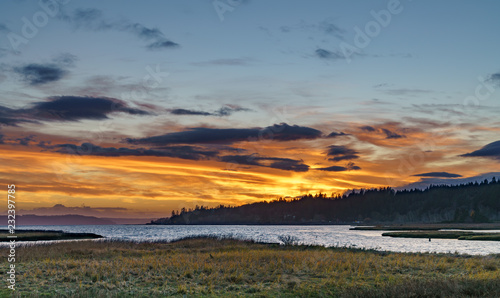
column 470, row 202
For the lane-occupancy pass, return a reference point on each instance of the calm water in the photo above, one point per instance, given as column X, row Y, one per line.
column 319, row 235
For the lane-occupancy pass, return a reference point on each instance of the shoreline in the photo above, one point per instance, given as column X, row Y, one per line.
column 45, row 235
column 428, row 227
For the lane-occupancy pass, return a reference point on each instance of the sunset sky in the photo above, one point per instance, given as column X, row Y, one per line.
column 135, row 109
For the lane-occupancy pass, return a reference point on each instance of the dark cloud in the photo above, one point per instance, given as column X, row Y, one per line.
column 4, row 28
column 67, row 108
column 72, row 108
column 368, row 128
column 388, row 133
column 438, row 174
column 184, row 152
column 9, row 121
column 336, row 134
column 39, row 74
column 349, row 167
column 391, row 135
column 333, row 169
column 270, row 162
column 93, row 19
column 325, row 54
column 161, row 44
column 228, row 110
column 189, row 112
column 492, row 150
column 495, row 78
column 336, row 54
column 224, row 111
column 340, row 153
column 25, row 141
column 1, row 138
column 36, row 74
column 8, row 117
column 277, row 132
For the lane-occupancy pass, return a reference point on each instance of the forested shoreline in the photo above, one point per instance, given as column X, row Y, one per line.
column 466, row 203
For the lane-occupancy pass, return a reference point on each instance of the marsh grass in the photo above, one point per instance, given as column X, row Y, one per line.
column 210, row 266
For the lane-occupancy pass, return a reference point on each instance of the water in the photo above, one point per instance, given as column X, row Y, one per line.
column 317, row 235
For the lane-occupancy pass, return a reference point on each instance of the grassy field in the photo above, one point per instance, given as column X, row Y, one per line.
column 35, row 235
column 211, row 267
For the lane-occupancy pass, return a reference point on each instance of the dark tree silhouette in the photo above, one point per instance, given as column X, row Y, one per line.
column 471, row 202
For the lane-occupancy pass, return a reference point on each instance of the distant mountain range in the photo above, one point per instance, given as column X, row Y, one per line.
column 70, row 219
column 471, row 202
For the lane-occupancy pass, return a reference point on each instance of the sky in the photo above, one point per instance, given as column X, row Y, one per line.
column 132, row 109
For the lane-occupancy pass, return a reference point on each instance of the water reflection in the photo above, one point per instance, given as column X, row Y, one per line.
column 316, row 235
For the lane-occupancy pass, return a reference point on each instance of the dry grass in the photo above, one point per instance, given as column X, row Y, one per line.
column 211, row 267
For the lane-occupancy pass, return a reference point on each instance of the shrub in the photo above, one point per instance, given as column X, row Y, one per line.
column 288, row 240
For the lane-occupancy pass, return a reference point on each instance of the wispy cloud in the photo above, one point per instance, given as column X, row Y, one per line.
column 332, row 55
column 93, row 19
column 327, row 27
column 224, row 111
column 406, row 91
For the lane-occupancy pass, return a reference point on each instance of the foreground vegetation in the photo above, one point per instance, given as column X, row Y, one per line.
column 35, row 235
column 460, row 235
column 226, row 267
